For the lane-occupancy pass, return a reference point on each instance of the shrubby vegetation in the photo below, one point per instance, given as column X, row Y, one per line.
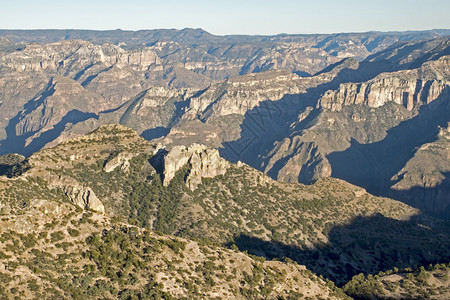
column 421, row 283
column 324, row 226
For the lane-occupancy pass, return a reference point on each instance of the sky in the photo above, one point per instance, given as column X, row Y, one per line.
column 228, row 17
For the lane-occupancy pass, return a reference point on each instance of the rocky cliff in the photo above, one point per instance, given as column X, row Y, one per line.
column 410, row 88
column 241, row 94
column 201, row 162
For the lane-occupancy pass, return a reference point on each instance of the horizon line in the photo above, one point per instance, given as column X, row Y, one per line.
column 228, row 34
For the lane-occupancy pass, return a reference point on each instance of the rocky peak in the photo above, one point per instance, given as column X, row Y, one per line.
column 203, row 163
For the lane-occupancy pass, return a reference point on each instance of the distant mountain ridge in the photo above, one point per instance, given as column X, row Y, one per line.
column 188, row 35
column 197, row 49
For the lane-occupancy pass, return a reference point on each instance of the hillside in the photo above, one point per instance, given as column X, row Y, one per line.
column 76, row 254
column 334, row 228
column 424, row 283
column 55, row 240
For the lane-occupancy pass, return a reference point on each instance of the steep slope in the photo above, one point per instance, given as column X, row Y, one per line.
column 71, row 254
column 366, row 132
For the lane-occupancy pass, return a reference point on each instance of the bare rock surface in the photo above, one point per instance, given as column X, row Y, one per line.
column 84, row 197
column 203, row 163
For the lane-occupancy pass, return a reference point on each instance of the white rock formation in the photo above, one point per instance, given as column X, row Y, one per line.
column 204, row 163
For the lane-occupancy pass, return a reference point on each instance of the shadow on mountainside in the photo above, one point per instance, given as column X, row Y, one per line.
column 262, row 126
column 17, row 144
column 367, row 245
column 419, row 197
column 155, row 133
column 271, row 121
column 373, row 165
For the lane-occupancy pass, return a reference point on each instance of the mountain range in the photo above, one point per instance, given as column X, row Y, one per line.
column 361, row 117
column 327, row 152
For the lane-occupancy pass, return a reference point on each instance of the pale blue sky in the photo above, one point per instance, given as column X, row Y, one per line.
column 228, row 17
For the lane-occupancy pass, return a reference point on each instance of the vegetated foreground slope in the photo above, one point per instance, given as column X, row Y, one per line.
column 76, row 254
column 333, row 228
column 51, row 245
column 431, row 282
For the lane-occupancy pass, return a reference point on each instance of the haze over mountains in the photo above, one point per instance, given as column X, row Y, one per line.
column 294, row 146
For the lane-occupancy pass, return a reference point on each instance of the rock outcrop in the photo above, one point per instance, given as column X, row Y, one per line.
column 84, row 197
column 410, row 88
column 376, row 93
column 121, row 160
column 203, row 163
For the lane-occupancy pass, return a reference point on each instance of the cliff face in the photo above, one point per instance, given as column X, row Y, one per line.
column 203, row 163
column 241, row 94
column 75, row 56
column 410, row 88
